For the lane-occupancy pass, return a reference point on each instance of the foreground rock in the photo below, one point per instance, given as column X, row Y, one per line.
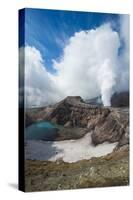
column 110, row 170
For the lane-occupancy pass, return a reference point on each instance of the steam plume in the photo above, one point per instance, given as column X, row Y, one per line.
column 91, row 65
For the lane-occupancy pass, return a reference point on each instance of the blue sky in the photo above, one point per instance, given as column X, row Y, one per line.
column 49, row 30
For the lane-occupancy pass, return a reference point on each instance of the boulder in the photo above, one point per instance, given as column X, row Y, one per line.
column 68, row 124
column 113, row 128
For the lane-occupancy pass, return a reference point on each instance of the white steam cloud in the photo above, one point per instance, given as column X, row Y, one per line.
column 107, row 81
column 88, row 66
column 39, row 87
column 91, row 65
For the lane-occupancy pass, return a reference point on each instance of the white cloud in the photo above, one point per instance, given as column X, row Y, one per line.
column 90, row 66
column 39, row 89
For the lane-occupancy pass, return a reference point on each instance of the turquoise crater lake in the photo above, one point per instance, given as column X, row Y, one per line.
column 42, row 130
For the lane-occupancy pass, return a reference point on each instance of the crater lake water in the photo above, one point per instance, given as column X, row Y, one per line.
column 42, row 130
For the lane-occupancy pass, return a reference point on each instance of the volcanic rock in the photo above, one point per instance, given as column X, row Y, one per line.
column 105, row 123
column 120, row 99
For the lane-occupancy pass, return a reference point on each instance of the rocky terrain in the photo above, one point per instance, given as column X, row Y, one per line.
column 107, row 124
column 120, row 99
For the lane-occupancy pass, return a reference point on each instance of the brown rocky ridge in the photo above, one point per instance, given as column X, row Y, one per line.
column 106, row 123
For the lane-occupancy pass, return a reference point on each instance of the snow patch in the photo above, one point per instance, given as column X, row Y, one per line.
column 67, row 150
